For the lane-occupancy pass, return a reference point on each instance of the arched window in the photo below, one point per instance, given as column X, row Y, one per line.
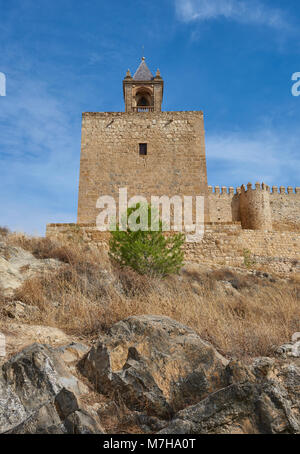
column 143, row 99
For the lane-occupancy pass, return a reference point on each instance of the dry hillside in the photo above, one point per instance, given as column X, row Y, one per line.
column 243, row 312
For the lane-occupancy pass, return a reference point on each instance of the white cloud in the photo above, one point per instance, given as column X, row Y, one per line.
column 39, row 157
column 243, row 11
column 268, row 156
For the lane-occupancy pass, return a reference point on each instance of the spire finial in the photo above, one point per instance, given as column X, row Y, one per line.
column 128, row 74
column 143, row 53
column 158, row 76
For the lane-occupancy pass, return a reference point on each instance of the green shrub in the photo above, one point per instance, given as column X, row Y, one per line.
column 248, row 260
column 144, row 250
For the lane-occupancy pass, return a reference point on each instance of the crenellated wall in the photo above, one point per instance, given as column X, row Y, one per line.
column 256, row 208
column 223, row 204
column 285, row 208
column 255, row 222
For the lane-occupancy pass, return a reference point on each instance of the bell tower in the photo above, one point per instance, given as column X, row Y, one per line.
column 143, row 92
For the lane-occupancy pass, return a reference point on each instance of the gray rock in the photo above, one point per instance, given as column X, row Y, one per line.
column 258, row 399
column 12, row 411
column 43, row 420
column 20, row 311
column 38, row 394
column 160, row 370
column 18, row 265
column 65, row 403
column 36, row 374
column 154, row 363
column 81, row 422
column 289, row 350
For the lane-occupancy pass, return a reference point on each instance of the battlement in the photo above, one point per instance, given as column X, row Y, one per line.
column 257, row 207
column 287, row 191
column 274, row 190
column 224, row 190
column 146, row 115
column 258, row 187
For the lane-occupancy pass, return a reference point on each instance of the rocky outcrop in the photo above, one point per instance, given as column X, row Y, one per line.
column 18, row 265
column 291, row 349
column 262, row 398
column 19, row 311
column 39, row 394
column 166, row 377
column 20, row 335
column 154, row 363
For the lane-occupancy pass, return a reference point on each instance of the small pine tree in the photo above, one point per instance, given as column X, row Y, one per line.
column 144, row 250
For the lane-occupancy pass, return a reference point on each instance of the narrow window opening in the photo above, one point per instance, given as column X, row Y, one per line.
column 143, row 149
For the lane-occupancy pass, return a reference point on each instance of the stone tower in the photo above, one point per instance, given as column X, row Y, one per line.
column 255, row 208
column 143, row 92
column 148, row 151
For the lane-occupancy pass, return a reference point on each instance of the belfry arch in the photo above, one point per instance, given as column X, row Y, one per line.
column 143, row 92
column 144, row 98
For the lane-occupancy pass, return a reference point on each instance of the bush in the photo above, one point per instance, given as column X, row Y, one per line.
column 248, row 261
column 144, row 250
column 4, row 231
column 45, row 248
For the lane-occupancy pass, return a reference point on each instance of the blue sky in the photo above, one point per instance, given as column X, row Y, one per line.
column 232, row 59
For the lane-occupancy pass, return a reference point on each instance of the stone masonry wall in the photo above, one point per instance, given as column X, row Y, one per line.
column 224, row 244
column 255, row 210
column 232, row 246
column 223, row 204
column 284, row 207
column 175, row 163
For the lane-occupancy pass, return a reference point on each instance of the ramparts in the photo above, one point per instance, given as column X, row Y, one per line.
column 261, row 208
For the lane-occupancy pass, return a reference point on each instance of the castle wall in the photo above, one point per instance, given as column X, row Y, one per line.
column 223, row 204
column 277, row 252
column 285, row 208
column 224, row 244
column 175, row 163
column 259, row 208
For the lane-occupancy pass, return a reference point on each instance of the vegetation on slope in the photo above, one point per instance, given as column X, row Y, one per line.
column 242, row 314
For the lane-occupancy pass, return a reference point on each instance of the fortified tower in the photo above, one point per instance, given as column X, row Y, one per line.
column 148, row 151
column 255, row 208
column 151, row 152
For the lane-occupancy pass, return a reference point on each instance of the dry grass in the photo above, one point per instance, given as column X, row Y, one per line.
column 44, row 248
column 87, row 295
column 2, row 296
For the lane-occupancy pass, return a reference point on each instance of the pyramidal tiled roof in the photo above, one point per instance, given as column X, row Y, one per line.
column 143, row 72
